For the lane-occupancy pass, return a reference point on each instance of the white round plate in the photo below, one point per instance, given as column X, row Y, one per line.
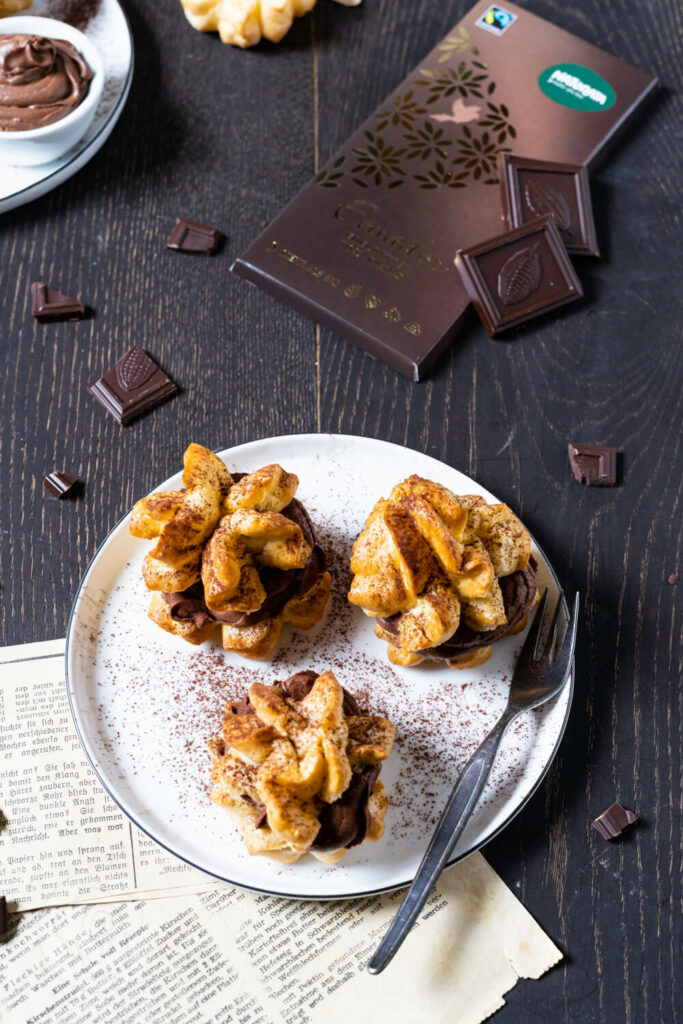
column 145, row 702
column 109, row 31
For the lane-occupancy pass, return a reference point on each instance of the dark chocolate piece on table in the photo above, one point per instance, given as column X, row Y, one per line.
column 534, row 188
column 612, row 822
column 4, row 923
column 133, row 386
column 593, row 464
column 673, row 579
column 518, row 275
column 50, row 306
column 59, row 484
column 191, row 236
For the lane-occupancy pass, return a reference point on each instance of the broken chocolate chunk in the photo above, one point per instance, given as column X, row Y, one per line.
column 133, row 386
column 593, row 464
column 612, row 822
column 673, row 579
column 191, row 236
column 50, row 306
column 3, row 915
column 59, row 484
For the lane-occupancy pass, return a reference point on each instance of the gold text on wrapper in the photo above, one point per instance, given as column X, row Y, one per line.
column 359, row 214
column 351, row 291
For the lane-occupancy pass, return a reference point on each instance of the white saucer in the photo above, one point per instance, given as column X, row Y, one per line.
column 110, row 33
column 145, row 703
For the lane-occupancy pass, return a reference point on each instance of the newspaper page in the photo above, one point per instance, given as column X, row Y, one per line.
column 231, row 957
column 62, row 838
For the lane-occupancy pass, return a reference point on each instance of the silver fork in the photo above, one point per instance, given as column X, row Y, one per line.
column 534, row 681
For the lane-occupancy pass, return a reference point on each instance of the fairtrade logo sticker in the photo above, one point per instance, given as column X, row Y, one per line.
column 574, row 86
column 496, row 20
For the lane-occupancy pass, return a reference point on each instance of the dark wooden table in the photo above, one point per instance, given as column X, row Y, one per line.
column 228, row 137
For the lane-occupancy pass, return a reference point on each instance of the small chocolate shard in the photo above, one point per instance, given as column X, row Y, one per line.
column 133, row 386
column 50, row 306
column 673, row 579
column 59, row 484
column 4, row 922
column 191, row 236
column 593, row 464
column 612, row 822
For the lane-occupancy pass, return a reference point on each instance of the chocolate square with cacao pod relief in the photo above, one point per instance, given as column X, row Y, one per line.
column 134, row 385
column 539, row 188
column 518, row 275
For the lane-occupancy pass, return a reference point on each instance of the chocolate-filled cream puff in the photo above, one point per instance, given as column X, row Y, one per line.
column 297, row 766
column 445, row 576
column 234, row 551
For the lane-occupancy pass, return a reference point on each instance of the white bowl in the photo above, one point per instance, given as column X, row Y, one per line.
column 41, row 145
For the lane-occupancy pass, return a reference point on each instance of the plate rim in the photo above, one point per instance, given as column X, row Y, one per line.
column 366, row 893
column 44, row 185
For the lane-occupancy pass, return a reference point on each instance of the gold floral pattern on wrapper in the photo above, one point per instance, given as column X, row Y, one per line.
column 445, row 123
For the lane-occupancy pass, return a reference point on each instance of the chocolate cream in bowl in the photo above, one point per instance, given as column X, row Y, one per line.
column 41, row 81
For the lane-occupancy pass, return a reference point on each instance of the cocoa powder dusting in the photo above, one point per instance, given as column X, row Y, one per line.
column 167, row 699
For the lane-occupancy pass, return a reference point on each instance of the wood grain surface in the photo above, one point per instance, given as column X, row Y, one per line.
column 227, row 137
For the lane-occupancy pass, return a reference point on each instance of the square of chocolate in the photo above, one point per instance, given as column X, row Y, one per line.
column 534, row 188
column 191, row 236
column 518, row 275
column 133, row 386
column 593, row 464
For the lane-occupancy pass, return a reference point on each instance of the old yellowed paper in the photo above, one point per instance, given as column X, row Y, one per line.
column 471, row 944
column 231, row 956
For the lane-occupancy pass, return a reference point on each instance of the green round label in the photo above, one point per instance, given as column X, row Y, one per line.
column 572, row 85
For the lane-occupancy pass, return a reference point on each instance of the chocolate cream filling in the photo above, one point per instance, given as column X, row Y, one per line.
column 41, row 81
column 518, row 590
column 279, row 584
column 345, row 822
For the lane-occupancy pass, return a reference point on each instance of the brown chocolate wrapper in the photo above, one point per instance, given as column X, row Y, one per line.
column 367, row 248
